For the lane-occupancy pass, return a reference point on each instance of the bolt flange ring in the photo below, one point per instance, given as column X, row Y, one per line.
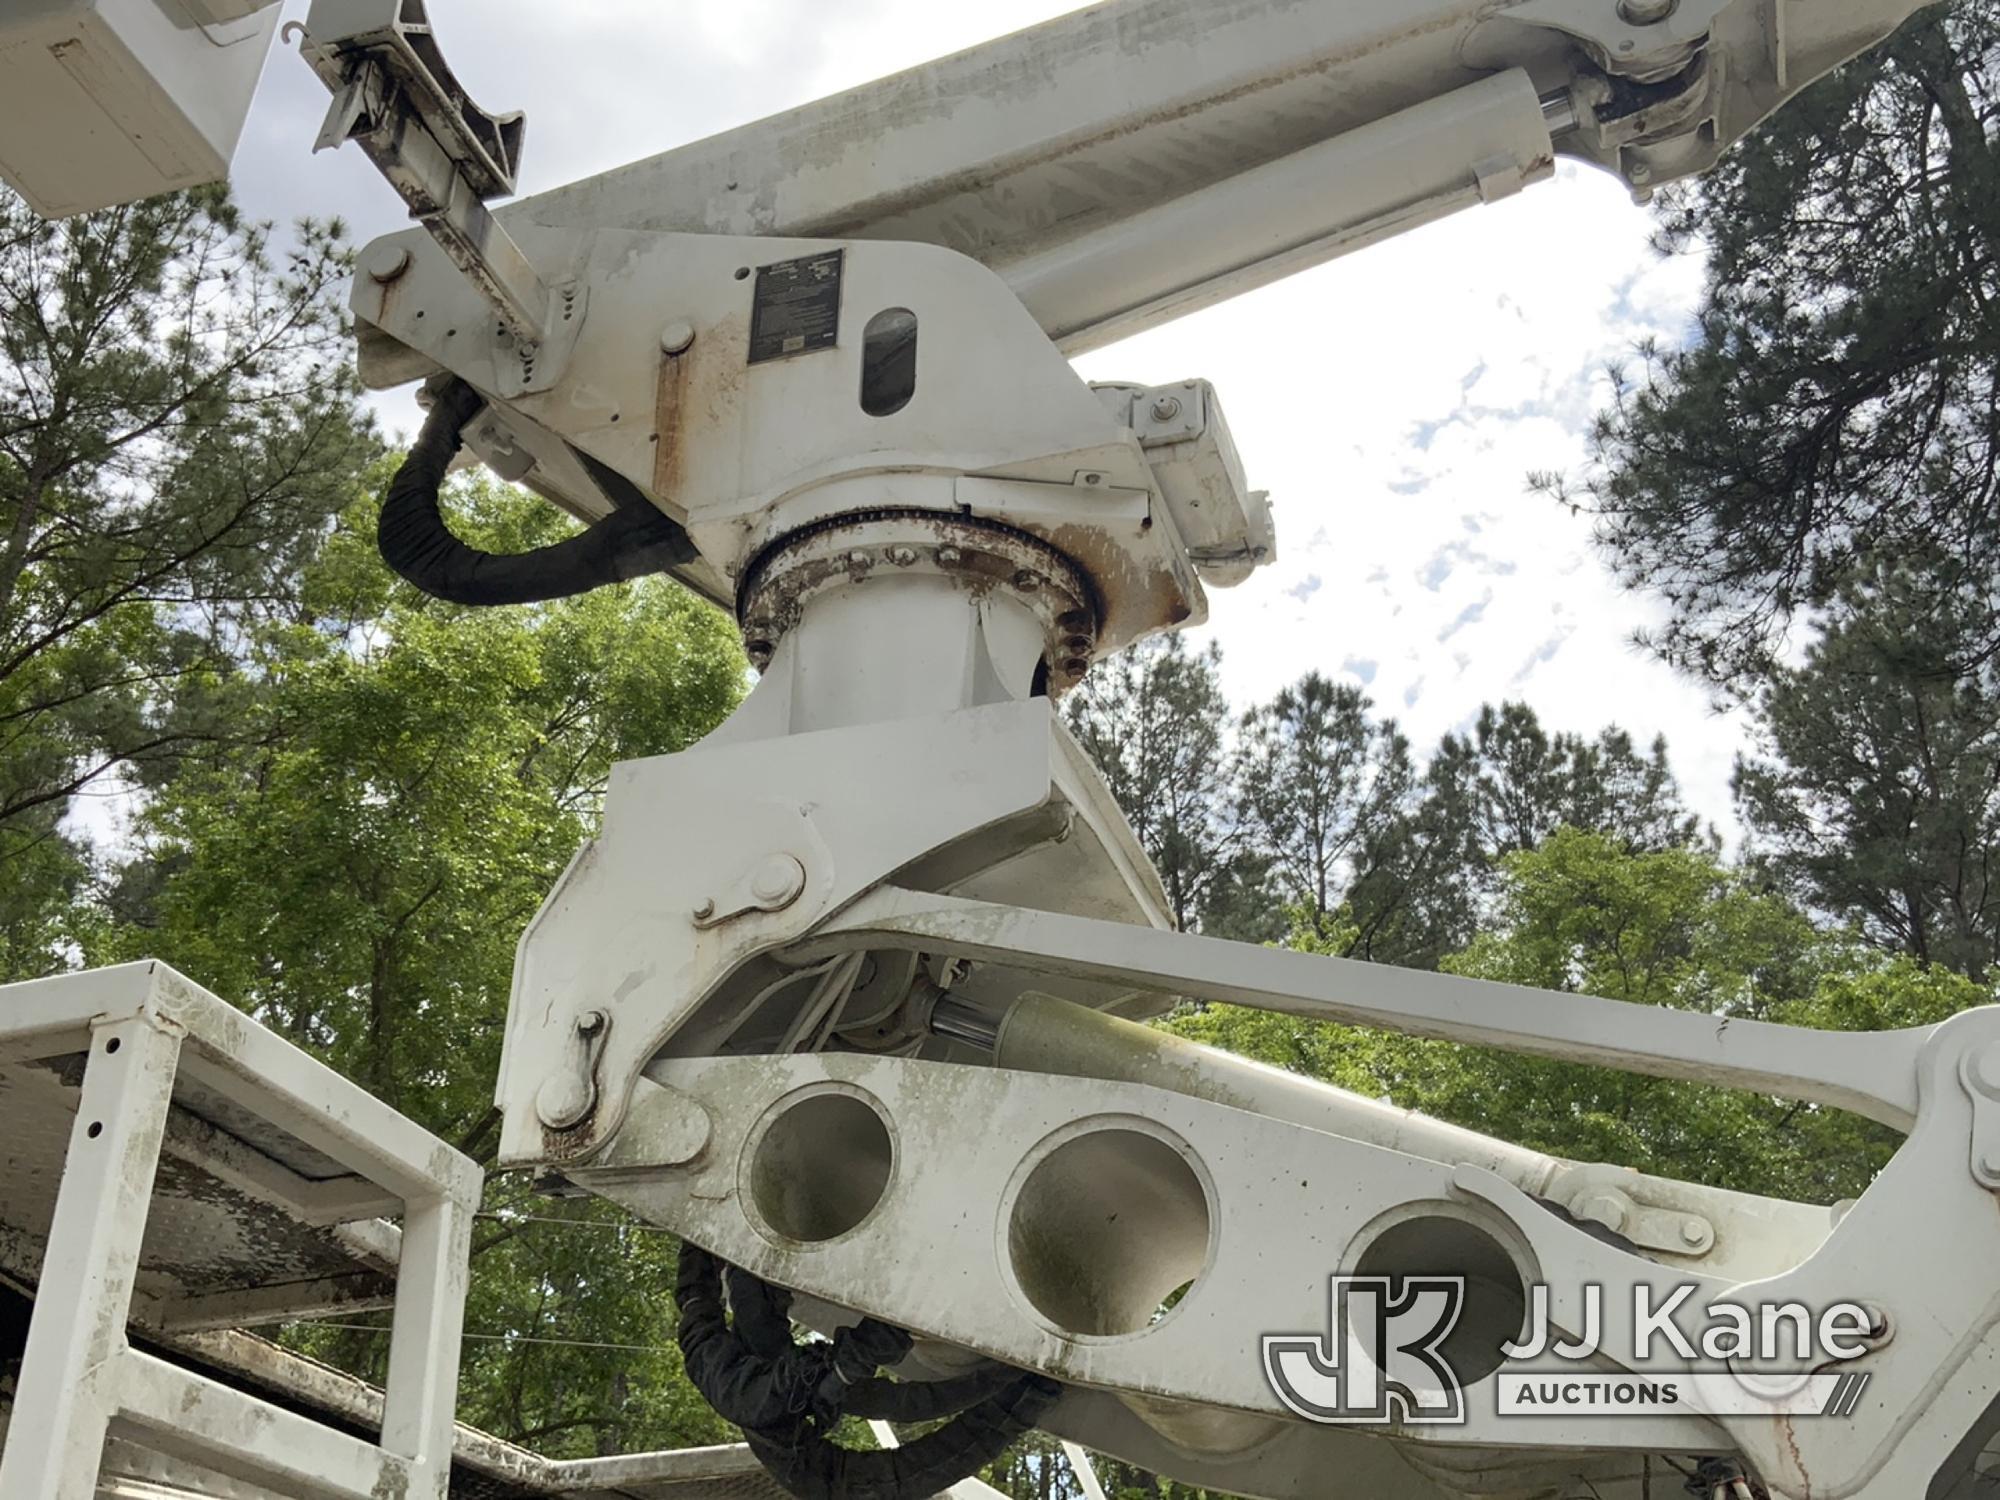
column 983, row 557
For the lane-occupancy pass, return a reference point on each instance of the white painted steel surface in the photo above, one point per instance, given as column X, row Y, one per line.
column 139, row 1032
column 108, row 101
column 893, row 870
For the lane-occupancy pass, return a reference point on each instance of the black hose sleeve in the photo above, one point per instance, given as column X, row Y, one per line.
column 858, row 1352
column 761, row 1316
column 786, row 1398
column 762, row 1313
column 418, row 543
column 756, row 1394
column 812, row 1468
column 926, row 1400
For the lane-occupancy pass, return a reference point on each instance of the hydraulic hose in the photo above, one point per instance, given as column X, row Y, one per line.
column 814, row 1469
column 787, row 1397
column 418, row 543
column 762, row 1322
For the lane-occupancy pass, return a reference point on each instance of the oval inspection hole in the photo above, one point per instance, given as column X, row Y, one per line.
column 820, row 1167
column 889, row 362
column 96, row 1129
column 113, row 1045
column 1108, row 1233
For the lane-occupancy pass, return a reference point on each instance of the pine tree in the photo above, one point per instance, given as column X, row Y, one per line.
column 1320, row 783
column 1837, row 403
column 1155, row 722
column 1876, row 798
column 178, row 422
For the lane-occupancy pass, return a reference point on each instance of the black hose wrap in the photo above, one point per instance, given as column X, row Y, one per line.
column 788, row 1397
column 756, row 1392
column 814, row 1469
column 925, row 1401
column 763, row 1313
column 418, row 543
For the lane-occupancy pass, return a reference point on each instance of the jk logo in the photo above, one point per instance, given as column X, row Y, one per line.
column 1380, row 1361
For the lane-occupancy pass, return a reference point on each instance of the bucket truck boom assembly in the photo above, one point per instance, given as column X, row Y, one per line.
column 850, row 995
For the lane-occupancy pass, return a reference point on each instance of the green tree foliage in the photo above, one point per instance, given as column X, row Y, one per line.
column 573, row 1320
column 1522, row 783
column 1154, row 720
column 356, row 797
column 1877, row 796
column 1502, row 788
column 1311, row 809
column 1584, row 914
column 1245, row 901
column 177, row 424
column 1838, row 402
column 1035, row 1469
column 357, row 870
column 1318, row 779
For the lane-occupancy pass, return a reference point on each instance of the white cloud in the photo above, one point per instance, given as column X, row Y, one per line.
column 1393, row 402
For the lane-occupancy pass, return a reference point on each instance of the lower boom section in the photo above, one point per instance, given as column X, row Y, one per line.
column 869, row 1041
column 1201, row 1282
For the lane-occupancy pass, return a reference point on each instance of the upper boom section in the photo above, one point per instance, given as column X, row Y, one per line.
column 1030, row 152
column 1111, row 170
column 1119, row 166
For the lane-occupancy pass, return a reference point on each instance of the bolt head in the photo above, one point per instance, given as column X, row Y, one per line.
column 677, row 337
column 903, row 557
column 1694, row 1232
column 859, row 558
column 950, row 557
column 704, row 909
column 1166, row 408
column 1646, row 12
column 1027, row 582
column 1982, row 1070
column 778, row 878
column 1605, row 1209
column 388, row 263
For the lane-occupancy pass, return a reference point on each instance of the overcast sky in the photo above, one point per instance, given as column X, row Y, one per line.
column 1393, row 402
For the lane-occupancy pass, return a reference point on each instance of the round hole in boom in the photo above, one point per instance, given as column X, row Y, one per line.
column 1108, row 1232
column 1496, row 1292
column 820, row 1164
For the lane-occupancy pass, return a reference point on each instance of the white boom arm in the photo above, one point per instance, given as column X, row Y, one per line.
column 838, row 995
column 844, row 995
column 1140, row 158
column 1115, row 168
